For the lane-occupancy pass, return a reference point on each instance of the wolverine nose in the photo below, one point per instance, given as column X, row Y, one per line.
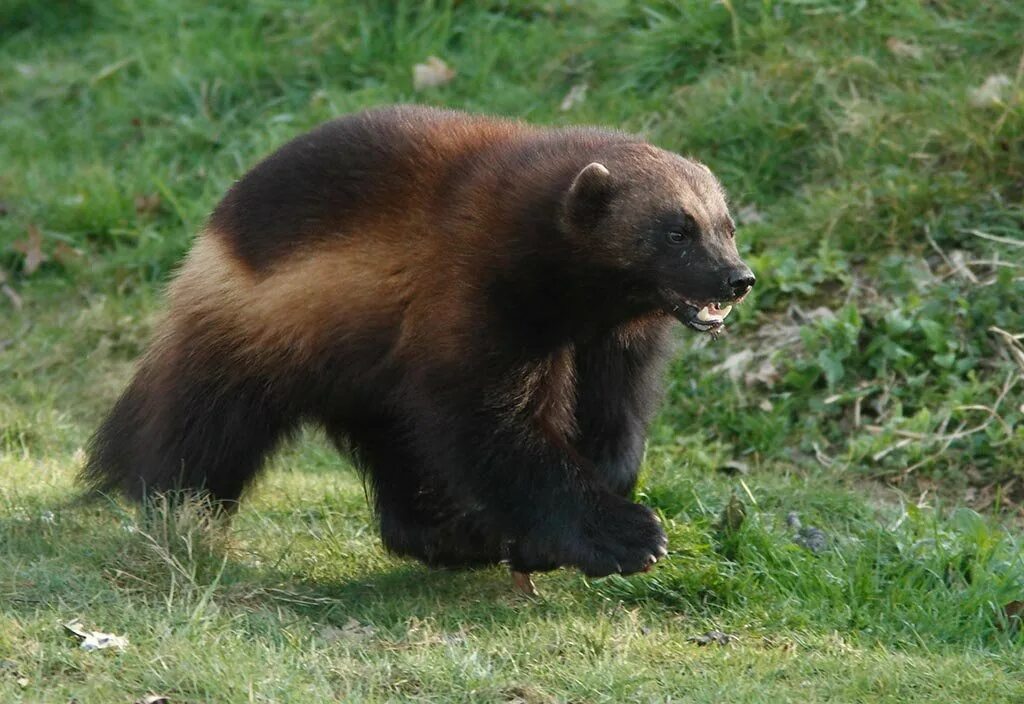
column 741, row 281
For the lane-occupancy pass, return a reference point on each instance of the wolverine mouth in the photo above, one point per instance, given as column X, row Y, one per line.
column 702, row 316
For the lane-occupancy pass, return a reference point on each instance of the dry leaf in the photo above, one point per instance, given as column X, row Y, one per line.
column 716, row 637
column 74, row 627
column 576, row 95
column 523, row 582
column 95, row 640
column 904, row 50
column 147, row 204
column 64, row 254
column 352, row 630
column 1014, row 612
column 992, row 92
column 432, row 73
column 32, row 248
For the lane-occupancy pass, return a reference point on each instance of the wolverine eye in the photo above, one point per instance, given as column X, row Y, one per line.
column 679, row 227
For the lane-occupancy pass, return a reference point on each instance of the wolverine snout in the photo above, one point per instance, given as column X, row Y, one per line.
column 741, row 280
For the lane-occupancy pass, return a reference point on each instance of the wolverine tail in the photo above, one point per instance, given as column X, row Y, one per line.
column 187, row 422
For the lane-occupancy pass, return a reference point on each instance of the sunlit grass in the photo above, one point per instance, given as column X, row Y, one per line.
column 867, row 388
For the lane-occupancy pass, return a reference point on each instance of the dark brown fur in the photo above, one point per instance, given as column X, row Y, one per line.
column 478, row 320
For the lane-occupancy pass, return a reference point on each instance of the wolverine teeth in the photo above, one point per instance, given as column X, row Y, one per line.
column 705, row 314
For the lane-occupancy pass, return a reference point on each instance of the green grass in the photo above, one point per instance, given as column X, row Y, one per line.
column 865, row 388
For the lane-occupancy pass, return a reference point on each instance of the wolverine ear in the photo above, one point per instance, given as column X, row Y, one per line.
column 589, row 194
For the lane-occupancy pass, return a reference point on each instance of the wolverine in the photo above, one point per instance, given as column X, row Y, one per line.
column 478, row 311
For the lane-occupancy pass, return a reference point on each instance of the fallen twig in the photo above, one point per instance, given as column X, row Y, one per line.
column 996, row 238
column 1012, row 343
column 941, row 437
column 956, row 264
column 9, row 291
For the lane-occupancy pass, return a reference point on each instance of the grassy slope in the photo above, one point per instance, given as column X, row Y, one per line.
column 843, row 155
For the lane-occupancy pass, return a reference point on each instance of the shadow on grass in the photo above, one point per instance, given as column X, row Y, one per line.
column 77, row 554
column 931, row 583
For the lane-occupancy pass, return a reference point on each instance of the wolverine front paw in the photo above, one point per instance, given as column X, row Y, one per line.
column 620, row 537
column 614, row 536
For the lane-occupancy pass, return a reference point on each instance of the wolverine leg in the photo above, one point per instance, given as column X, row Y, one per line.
column 619, row 380
column 418, row 517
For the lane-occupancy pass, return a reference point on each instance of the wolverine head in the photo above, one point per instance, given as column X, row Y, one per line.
column 664, row 220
